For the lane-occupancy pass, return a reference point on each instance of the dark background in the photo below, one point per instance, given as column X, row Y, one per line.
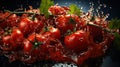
column 113, row 58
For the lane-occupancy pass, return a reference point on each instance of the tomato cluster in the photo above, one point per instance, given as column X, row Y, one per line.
column 60, row 38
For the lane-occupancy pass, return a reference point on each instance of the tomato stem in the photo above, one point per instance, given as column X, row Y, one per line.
column 14, row 12
column 72, row 21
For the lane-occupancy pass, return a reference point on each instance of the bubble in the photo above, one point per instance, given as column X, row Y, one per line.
column 104, row 5
column 100, row 5
column 81, row 7
column 110, row 7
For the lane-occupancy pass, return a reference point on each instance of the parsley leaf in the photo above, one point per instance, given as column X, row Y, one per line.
column 114, row 23
column 44, row 6
column 117, row 40
column 74, row 10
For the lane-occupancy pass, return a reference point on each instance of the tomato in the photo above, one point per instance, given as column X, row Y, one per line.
column 6, row 43
column 17, row 37
column 33, row 43
column 56, row 10
column 27, row 46
column 52, row 33
column 13, row 20
column 68, row 22
column 77, row 41
column 63, row 23
column 24, row 26
column 32, row 47
column 37, row 25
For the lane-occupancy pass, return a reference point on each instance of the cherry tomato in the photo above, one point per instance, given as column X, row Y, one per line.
column 57, row 10
column 17, row 37
column 77, row 41
column 27, row 46
column 6, row 43
column 24, row 26
column 13, row 20
column 33, row 42
column 52, row 33
column 37, row 25
column 68, row 22
column 32, row 48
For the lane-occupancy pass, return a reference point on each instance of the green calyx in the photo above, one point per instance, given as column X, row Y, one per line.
column 46, row 29
column 72, row 21
column 37, row 44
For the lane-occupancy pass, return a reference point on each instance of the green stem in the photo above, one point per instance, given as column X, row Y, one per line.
column 14, row 12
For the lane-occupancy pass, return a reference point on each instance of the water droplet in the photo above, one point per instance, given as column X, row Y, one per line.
column 110, row 7
column 104, row 5
column 81, row 8
column 100, row 5
column 66, row 3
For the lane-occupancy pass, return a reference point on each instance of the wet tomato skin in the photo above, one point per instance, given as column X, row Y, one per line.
column 53, row 33
column 77, row 41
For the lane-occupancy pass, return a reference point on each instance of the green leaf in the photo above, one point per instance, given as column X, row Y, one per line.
column 74, row 10
column 114, row 23
column 117, row 40
column 44, row 6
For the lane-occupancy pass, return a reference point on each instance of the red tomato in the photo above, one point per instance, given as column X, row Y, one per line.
column 63, row 23
column 24, row 26
column 13, row 20
column 6, row 43
column 57, row 10
column 36, row 37
column 37, row 25
column 33, row 42
column 68, row 22
column 52, row 33
column 32, row 47
column 28, row 46
column 17, row 38
column 77, row 41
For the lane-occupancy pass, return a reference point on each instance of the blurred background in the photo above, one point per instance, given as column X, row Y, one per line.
column 112, row 7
